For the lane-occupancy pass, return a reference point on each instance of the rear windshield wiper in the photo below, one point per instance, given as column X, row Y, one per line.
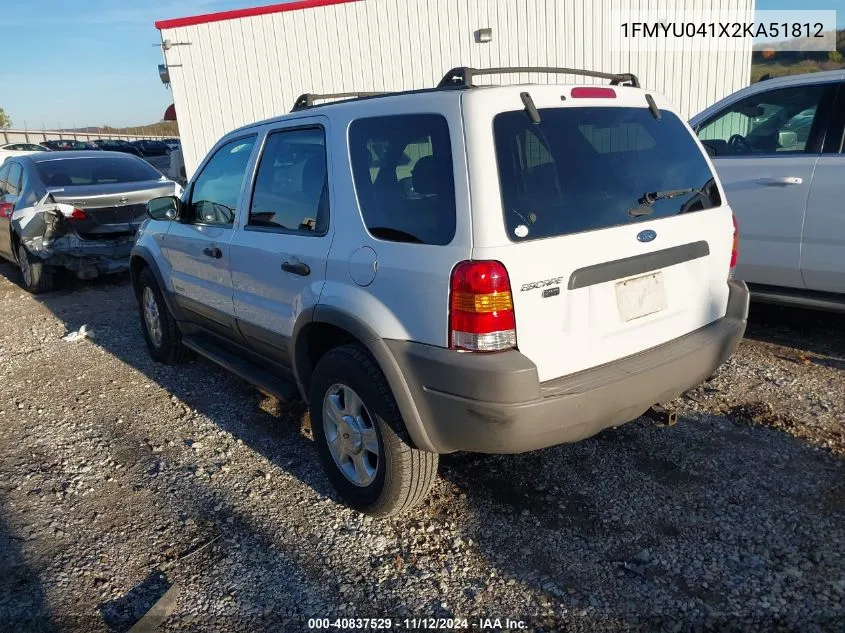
column 530, row 108
column 650, row 197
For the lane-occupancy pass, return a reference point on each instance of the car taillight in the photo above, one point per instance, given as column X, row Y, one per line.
column 77, row 214
column 6, row 209
column 481, row 317
column 588, row 92
column 735, row 248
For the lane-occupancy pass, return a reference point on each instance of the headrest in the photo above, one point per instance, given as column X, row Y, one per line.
column 428, row 176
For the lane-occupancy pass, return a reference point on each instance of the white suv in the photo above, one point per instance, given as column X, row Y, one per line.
column 490, row 269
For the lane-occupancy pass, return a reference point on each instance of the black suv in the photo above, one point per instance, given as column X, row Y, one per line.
column 151, row 148
column 116, row 145
column 67, row 144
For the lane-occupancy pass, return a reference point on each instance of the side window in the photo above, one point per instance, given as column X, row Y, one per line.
column 14, row 181
column 291, row 189
column 4, row 177
column 404, row 179
column 214, row 197
column 777, row 121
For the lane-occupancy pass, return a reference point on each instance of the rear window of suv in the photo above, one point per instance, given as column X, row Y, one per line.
column 404, row 179
column 582, row 169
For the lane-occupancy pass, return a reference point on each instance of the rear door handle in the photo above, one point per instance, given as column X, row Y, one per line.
column 780, row 182
column 297, row 268
column 212, row 251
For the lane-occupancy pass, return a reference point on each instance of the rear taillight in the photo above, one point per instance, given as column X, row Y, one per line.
column 6, row 209
column 481, row 317
column 735, row 248
column 588, row 92
column 77, row 214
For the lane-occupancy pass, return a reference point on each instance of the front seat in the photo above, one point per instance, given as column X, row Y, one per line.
column 435, row 208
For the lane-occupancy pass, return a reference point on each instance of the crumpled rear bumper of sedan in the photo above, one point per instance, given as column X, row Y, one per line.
column 45, row 233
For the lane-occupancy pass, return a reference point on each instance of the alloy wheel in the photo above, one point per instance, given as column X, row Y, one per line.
column 351, row 435
column 152, row 316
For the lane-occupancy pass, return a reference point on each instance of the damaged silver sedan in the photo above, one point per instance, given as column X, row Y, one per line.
column 74, row 210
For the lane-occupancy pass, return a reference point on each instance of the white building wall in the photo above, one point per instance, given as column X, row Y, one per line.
column 238, row 71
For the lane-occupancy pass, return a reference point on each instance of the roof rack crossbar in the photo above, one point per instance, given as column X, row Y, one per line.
column 463, row 75
column 307, row 100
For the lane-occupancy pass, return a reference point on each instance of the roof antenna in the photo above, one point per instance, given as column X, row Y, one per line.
column 652, row 107
column 530, row 108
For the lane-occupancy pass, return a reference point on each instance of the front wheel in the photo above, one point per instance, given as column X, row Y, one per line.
column 361, row 439
column 37, row 276
column 164, row 340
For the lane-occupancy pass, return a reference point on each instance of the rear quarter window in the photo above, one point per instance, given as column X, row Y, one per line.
column 404, row 179
column 582, row 169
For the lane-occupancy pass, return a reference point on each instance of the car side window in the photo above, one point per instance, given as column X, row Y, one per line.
column 291, row 189
column 4, row 177
column 404, row 180
column 773, row 122
column 215, row 193
column 13, row 186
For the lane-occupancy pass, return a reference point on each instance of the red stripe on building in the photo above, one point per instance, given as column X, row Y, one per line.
column 245, row 13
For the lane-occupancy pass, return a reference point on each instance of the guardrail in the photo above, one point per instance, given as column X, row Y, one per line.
column 37, row 136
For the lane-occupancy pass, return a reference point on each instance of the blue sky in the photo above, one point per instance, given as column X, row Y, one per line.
column 93, row 62
column 88, row 62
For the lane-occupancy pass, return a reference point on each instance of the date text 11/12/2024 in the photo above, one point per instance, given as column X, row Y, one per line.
column 417, row 624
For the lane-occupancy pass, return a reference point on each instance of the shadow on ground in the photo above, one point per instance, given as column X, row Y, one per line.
column 121, row 614
column 640, row 527
column 682, row 524
column 23, row 606
column 814, row 331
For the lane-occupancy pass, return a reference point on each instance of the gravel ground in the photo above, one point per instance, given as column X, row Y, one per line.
column 120, row 478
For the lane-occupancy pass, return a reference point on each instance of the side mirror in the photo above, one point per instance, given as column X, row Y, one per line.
column 164, row 208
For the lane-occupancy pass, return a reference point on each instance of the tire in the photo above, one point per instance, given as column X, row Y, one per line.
column 37, row 276
column 400, row 476
column 164, row 340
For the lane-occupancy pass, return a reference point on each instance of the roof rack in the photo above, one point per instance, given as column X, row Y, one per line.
column 307, row 100
column 463, row 75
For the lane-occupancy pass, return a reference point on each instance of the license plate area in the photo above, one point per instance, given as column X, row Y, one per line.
column 641, row 296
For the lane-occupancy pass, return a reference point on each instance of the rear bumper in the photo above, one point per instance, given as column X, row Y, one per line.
column 494, row 403
column 86, row 258
column 87, row 248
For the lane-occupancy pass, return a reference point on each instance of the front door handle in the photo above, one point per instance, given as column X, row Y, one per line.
column 297, row 268
column 780, row 182
column 212, row 251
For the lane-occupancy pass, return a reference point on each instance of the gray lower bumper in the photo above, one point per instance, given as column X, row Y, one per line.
column 496, row 404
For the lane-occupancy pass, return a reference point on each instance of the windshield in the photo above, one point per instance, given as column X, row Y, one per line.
column 582, row 169
column 69, row 172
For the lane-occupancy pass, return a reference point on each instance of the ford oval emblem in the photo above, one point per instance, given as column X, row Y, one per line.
column 646, row 236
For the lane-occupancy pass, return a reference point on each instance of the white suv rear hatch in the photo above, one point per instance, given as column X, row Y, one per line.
column 592, row 279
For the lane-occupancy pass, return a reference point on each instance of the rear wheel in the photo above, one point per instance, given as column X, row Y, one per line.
column 37, row 276
column 164, row 341
column 361, row 439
